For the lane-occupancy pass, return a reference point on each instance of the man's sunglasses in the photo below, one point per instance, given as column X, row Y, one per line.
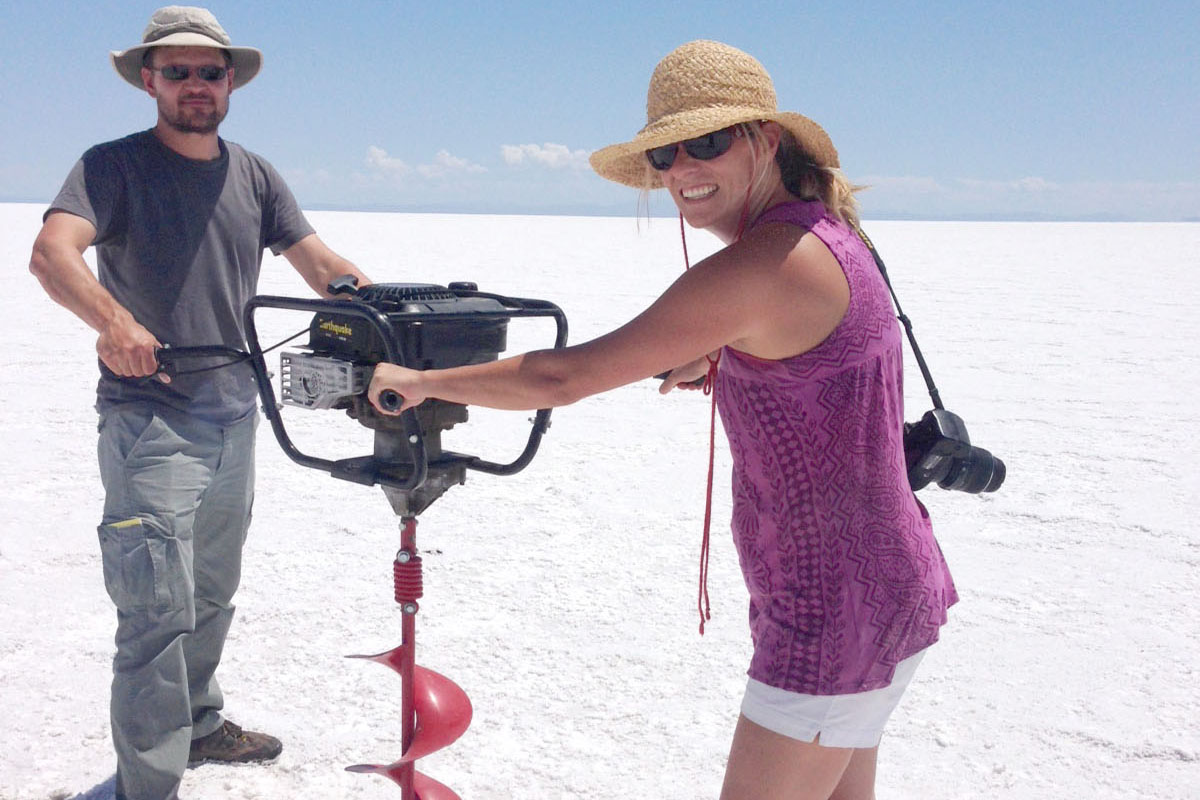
column 178, row 72
column 704, row 148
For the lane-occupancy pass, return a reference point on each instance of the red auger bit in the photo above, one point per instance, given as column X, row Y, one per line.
column 435, row 711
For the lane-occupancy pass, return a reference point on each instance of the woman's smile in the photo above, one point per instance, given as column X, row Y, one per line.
column 698, row 192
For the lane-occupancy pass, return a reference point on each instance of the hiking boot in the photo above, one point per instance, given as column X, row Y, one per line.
column 229, row 744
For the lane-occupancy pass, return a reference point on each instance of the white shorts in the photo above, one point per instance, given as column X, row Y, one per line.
column 842, row 720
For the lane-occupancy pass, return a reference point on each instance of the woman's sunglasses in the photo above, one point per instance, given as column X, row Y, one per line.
column 178, row 72
column 704, row 148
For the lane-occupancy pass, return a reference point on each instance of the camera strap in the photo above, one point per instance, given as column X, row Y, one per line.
column 900, row 315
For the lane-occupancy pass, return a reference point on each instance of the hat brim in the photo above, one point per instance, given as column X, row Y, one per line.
column 247, row 61
column 626, row 163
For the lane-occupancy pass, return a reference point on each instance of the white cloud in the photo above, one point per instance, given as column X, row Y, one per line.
column 902, row 183
column 444, row 164
column 555, row 156
column 1030, row 184
column 924, row 185
column 378, row 159
column 382, row 164
column 1029, row 197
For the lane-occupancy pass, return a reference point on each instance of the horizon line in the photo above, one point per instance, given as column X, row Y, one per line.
column 595, row 210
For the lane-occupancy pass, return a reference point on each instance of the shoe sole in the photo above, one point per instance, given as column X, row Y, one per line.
column 201, row 762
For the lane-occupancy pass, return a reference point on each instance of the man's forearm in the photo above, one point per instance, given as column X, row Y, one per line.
column 319, row 265
column 123, row 344
column 66, row 277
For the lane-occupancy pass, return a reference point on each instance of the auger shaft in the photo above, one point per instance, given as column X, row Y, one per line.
column 434, row 710
column 409, row 589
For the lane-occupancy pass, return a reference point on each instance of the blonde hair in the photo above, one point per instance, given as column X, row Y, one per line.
column 806, row 179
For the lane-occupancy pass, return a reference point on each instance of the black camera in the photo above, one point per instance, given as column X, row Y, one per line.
column 938, row 450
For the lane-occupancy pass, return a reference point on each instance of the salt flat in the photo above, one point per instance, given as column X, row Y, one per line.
column 562, row 599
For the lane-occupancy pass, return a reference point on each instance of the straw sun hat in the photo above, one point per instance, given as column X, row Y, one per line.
column 185, row 26
column 697, row 88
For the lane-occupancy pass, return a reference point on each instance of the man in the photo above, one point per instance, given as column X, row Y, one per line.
column 179, row 218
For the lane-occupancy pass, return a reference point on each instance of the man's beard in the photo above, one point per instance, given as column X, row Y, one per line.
column 187, row 119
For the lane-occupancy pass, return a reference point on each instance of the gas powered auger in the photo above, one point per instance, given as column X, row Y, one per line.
column 422, row 326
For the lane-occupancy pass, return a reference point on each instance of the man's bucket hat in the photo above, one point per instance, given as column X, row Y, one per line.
column 186, row 26
column 700, row 87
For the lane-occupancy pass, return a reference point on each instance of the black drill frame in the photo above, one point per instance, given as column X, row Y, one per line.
column 370, row 470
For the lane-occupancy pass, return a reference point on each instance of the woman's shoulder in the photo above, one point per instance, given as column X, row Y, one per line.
column 791, row 289
column 806, row 261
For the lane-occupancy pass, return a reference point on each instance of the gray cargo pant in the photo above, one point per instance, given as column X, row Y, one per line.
column 177, row 507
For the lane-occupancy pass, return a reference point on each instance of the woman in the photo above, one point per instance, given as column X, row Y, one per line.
column 847, row 585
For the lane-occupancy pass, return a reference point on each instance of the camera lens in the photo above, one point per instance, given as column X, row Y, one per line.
column 974, row 472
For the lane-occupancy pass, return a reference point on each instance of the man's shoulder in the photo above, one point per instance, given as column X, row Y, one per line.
column 126, row 144
column 253, row 168
column 237, row 151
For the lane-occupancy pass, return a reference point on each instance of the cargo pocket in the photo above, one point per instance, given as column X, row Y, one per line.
column 143, row 568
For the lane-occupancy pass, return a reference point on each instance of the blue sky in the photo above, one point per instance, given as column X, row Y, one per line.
column 962, row 110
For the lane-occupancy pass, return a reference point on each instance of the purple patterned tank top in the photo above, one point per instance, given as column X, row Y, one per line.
column 845, row 577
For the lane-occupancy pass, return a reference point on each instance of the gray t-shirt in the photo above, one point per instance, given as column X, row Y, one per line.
column 179, row 243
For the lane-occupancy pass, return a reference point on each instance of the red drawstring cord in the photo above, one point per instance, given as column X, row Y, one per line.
column 702, row 602
column 683, row 238
column 709, row 383
column 710, row 380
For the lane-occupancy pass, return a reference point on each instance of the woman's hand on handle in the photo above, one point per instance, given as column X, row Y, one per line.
column 401, row 380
